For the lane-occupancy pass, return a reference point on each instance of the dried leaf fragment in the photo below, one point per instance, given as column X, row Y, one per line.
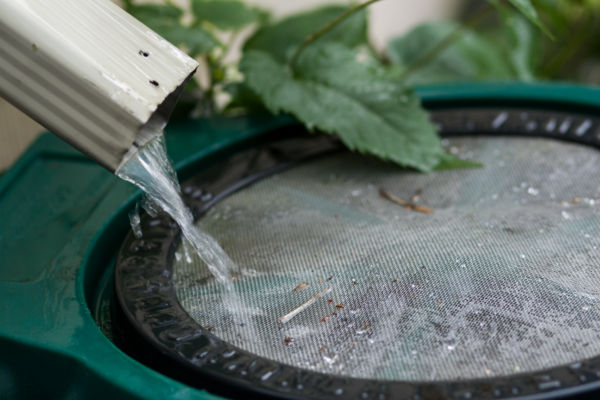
column 301, row 287
column 409, row 206
column 422, row 209
column 291, row 315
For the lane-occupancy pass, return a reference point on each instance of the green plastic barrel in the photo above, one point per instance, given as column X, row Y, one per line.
column 67, row 333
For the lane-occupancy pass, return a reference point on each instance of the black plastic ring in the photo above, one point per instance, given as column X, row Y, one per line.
column 153, row 327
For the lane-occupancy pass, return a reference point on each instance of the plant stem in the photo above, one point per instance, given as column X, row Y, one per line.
column 314, row 36
column 474, row 20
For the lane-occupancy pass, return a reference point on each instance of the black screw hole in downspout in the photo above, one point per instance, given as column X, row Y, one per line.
column 154, row 83
column 144, row 53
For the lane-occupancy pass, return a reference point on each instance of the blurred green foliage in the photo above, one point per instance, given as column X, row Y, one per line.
column 320, row 67
column 575, row 54
column 571, row 52
column 281, row 39
column 470, row 57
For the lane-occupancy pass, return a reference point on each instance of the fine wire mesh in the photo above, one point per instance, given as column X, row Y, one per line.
column 502, row 278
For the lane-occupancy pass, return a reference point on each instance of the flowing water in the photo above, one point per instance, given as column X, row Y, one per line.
column 152, row 171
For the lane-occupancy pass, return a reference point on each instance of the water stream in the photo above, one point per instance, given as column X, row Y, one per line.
column 152, row 171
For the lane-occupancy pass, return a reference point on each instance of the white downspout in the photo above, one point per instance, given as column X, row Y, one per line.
column 90, row 73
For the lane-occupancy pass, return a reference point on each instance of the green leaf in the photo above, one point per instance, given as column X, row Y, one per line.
column 192, row 86
column 188, row 102
column 470, row 57
column 244, row 97
column 449, row 162
column 335, row 93
column 524, row 46
column 528, row 10
column 283, row 38
column 145, row 12
column 226, row 14
column 196, row 39
column 164, row 19
column 555, row 15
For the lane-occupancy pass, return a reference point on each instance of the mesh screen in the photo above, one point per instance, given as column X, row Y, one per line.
column 503, row 277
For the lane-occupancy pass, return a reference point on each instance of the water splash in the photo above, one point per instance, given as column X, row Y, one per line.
column 134, row 220
column 152, row 171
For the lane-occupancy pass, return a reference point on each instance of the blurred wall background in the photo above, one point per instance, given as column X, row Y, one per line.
column 389, row 18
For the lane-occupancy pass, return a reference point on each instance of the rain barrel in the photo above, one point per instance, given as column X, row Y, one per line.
column 482, row 284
